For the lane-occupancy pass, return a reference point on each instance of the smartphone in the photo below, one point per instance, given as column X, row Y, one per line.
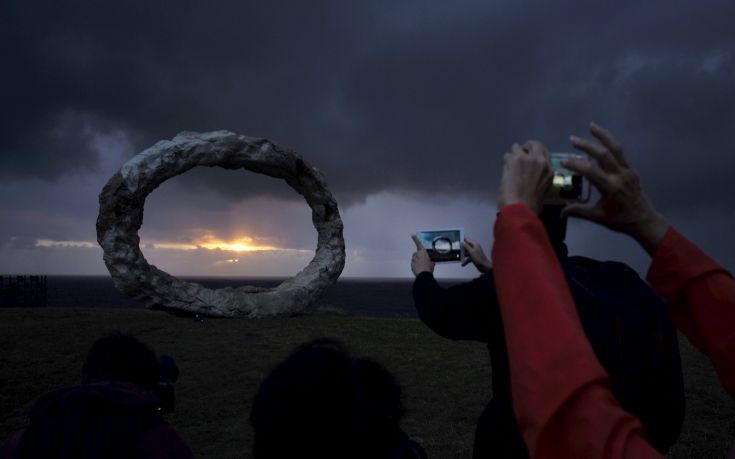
column 567, row 185
column 443, row 246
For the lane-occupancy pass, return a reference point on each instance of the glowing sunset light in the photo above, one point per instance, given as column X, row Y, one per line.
column 242, row 244
column 169, row 245
column 234, row 246
column 231, row 261
column 210, row 242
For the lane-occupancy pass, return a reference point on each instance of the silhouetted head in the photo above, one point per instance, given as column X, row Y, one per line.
column 320, row 402
column 121, row 357
column 556, row 226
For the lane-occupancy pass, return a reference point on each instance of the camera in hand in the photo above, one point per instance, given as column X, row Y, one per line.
column 443, row 245
column 567, row 185
column 168, row 374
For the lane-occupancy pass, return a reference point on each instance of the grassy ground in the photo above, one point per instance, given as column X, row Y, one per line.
column 445, row 384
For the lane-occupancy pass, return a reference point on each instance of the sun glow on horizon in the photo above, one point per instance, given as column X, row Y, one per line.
column 207, row 241
column 211, row 242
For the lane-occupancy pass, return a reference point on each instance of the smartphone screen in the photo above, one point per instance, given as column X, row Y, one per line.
column 443, row 245
column 566, row 185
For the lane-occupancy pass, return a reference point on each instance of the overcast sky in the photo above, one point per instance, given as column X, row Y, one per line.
column 406, row 106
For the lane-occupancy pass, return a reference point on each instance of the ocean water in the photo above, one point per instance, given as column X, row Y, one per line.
column 359, row 297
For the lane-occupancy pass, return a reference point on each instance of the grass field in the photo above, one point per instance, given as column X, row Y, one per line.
column 445, row 384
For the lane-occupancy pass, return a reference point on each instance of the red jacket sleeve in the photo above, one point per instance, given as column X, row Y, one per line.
column 561, row 394
column 701, row 299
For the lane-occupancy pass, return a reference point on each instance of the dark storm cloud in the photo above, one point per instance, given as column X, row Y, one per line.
column 421, row 96
column 156, row 68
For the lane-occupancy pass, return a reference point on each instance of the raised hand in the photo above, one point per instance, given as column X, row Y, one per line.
column 473, row 253
column 623, row 206
column 420, row 261
column 526, row 176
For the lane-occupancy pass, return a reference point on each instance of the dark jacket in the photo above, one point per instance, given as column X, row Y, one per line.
column 100, row 420
column 469, row 311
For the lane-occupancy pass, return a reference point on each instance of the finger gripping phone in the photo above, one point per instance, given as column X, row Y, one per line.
column 566, row 185
column 443, row 246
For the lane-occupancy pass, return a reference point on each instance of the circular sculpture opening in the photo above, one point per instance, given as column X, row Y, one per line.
column 235, row 224
column 122, row 202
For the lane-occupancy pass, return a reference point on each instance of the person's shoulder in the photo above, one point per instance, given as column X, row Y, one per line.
column 614, row 281
column 608, row 269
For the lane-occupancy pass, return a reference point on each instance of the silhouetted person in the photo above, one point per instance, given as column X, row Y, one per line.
column 624, row 319
column 112, row 414
column 322, row 403
column 561, row 394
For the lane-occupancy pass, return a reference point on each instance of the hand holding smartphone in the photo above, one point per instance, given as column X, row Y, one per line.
column 566, row 186
column 443, row 246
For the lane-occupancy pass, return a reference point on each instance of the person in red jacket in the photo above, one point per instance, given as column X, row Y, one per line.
column 561, row 394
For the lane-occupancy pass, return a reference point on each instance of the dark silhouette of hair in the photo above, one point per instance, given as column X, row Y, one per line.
column 320, row 402
column 114, row 413
column 121, row 357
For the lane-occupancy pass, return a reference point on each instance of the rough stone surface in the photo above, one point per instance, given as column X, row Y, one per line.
column 121, row 214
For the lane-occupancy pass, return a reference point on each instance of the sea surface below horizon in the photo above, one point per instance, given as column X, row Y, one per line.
column 354, row 296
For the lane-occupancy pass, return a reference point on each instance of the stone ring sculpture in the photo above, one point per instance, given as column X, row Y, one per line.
column 121, row 214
